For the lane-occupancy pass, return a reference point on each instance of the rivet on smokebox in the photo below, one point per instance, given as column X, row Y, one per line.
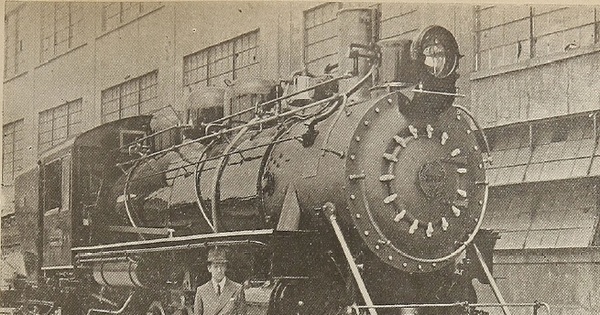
column 376, row 246
column 413, row 228
column 404, row 265
column 377, row 110
column 386, row 177
column 390, row 198
column 429, row 231
column 420, row 267
column 352, row 156
column 366, row 233
column 434, row 265
column 390, row 257
column 429, row 131
column 414, row 131
column 456, row 211
column 445, row 224
column 358, row 215
column 468, row 131
column 444, row 138
column 390, row 157
column 475, row 148
column 357, row 138
column 399, row 140
column 461, row 170
column 455, row 152
column 389, row 100
column 356, row 176
column 366, row 122
column 462, row 193
column 352, row 197
column 400, row 215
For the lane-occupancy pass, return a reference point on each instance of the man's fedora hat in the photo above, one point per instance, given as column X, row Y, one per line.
column 217, row 255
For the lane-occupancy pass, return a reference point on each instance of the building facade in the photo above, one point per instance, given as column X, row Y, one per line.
column 531, row 75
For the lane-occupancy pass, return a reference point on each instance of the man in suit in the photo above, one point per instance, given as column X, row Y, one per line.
column 219, row 296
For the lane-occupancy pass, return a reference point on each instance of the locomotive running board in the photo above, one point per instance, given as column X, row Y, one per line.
column 329, row 210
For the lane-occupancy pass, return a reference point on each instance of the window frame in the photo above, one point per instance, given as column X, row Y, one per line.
column 305, row 29
column 532, row 56
column 17, row 51
column 57, row 189
column 121, row 94
column 143, row 8
column 16, row 152
column 213, row 55
column 75, row 36
column 73, row 124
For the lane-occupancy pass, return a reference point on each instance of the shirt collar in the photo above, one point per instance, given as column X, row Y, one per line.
column 221, row 284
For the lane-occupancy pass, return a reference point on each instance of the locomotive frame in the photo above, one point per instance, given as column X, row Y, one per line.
column 96, row 245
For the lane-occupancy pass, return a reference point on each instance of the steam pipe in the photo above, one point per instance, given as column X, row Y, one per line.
column 119, row 311
column 281, row 98
column 250, row 124
column 268, row 119
column 216, row 184
column 218, row 157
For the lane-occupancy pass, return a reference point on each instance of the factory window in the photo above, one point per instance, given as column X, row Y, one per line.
column 14, row 57
column 58, row 124
column 230, row 60
column 62, row 28
column 52, row 185
column 133, row 97
column 12, row 153
column 115, row 14
column 507, row 34
column 320, row 36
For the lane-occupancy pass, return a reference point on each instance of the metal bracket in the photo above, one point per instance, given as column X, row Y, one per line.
column 436, row 93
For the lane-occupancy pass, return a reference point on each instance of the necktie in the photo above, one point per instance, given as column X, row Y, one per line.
column 218, row 289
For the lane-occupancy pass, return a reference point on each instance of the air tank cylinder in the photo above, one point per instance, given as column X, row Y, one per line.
column 117, row 274
column 355, row 27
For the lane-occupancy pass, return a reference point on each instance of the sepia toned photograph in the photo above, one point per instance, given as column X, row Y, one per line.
column 300, row 158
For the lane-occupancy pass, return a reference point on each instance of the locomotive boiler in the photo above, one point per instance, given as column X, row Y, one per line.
column 360, row 187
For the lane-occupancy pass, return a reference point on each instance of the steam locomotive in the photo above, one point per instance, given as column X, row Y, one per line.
column 336, row 193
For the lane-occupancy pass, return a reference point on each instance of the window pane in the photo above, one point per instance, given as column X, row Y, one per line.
column 148, row 93
column 124, row 99
column 130, row 111
column 60, row 134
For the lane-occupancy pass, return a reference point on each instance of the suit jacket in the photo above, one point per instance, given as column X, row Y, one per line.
column 232, row 300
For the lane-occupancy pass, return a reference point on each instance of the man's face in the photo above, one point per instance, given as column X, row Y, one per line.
column 217, row 271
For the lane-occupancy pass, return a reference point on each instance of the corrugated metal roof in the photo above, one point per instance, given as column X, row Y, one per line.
column 533, row 172
column 547, row 162
column 549, row 215
column 580, row 167
column 574, row 238
column 586, row 148
column 511, row 240
column 555, row 170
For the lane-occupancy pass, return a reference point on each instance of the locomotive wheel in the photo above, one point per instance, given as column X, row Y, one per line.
column 156, row 308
